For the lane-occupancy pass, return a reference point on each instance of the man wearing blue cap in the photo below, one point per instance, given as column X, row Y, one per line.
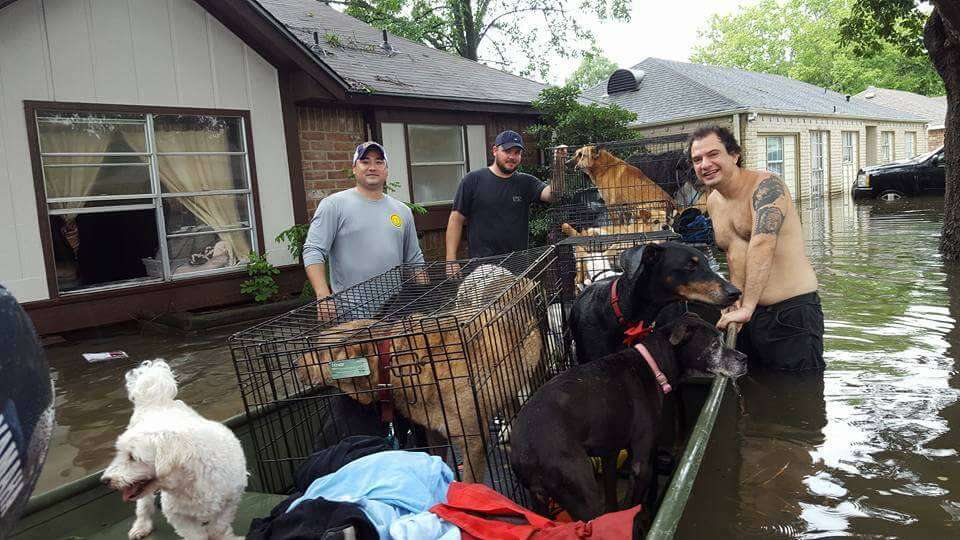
column 496, row 202
column 360, row 232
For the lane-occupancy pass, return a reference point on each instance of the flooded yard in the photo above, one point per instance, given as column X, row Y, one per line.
column 867, row 450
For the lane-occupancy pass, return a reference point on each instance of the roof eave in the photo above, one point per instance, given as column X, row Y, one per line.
column 729, row 112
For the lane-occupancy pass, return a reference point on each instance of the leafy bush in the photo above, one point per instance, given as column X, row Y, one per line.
column 262, row 286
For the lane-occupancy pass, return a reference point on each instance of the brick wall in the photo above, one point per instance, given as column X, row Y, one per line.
column 328, row 137
column 934, row 139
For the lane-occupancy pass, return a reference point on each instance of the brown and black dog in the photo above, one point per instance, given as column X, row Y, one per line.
column 599, row 408
column 654, row 275
column 618, row 181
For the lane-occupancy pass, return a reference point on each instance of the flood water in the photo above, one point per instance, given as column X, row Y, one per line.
column 869, row 449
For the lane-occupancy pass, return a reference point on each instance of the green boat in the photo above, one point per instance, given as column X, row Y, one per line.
column 87, row 509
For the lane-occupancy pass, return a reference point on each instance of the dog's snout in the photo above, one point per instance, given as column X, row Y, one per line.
column 732, row 293
column 106, row 480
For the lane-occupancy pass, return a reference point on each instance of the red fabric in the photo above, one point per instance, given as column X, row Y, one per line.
column 481, row 513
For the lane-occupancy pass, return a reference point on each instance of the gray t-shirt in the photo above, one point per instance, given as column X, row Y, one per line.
column 362, row 238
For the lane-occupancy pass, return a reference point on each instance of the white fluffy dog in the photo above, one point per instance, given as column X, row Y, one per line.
column 196, row 464
column 484, row 284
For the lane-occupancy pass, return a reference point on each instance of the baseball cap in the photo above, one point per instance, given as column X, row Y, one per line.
column 363, row 148
column 508, row 139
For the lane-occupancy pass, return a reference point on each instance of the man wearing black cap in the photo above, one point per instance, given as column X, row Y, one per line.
column 496, row 202
column 360, row 232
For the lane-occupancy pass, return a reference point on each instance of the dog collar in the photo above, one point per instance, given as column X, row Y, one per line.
column 385, row 394
column 633, row 331
column 657, row 374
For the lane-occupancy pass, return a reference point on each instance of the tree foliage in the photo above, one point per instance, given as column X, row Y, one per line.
column 523, row 37
column 565, row 120
column 801, row 40
column 593, row 68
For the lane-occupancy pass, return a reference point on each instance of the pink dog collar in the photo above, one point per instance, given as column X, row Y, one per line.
column 657, row 374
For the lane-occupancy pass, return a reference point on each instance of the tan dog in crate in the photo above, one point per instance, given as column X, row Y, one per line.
column 618, row 181
column 430, row 378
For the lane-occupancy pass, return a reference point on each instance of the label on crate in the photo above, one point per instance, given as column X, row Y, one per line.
column 351, row 367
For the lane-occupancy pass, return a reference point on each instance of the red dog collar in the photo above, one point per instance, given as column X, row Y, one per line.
column 384, row 361
column 657, row 374
column 633, row 332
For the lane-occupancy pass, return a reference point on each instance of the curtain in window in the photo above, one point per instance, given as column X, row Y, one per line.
column 70, row 137
column 188, row 174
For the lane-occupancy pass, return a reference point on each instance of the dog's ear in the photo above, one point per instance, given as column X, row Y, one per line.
column 634, row 260
column 171, row 452
column 679, row 333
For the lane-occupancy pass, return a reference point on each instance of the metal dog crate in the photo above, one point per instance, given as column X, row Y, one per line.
column 629, row 204
column 465, row 351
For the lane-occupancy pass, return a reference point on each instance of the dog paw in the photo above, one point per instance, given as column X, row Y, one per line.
column 140, row 529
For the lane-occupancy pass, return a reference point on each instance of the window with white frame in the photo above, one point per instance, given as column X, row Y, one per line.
column 144, row 197
column 909, row 144
column 438, row 161
column 775, row 155
column 819, row 162
column 886, row 146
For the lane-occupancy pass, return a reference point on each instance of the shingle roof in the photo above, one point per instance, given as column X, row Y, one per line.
column 413, row 70
column 675, row 90
column 934, row 109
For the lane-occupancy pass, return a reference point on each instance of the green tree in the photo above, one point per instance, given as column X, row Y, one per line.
column 799, row 39
column 872, row 23
column 593, row 68
column 524, row 37
column 566, row 120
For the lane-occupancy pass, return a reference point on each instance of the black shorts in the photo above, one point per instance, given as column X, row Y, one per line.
column 786, row 336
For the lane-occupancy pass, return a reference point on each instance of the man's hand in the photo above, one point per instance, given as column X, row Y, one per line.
column 453, row 270
column 326, row 309
column 739, row 316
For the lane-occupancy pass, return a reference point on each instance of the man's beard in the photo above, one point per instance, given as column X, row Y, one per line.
column 503, row 167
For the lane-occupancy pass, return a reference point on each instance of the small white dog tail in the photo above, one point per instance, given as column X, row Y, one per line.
column 151, row 383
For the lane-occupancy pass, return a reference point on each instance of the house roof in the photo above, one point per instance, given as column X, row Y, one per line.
column 933, row 109
column 673, row 91
column 412, row 70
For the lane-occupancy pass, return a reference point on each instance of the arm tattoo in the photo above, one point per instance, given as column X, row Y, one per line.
column 769, row 190
column 769, row 221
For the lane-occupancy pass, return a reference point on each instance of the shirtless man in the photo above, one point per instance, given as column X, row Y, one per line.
column 757, row 226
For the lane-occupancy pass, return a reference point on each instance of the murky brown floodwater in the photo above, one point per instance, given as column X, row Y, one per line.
column 869, row 450
column 92, row 406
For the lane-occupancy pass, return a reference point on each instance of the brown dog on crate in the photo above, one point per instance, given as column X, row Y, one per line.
column 612, row 403
column 433, row 371
column 618, row 181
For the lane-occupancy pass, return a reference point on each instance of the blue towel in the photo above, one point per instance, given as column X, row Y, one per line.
column 386, row 486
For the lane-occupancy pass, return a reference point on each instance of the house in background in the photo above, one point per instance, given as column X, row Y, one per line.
column 149, row 146
column 933, row 109
column 814, row 138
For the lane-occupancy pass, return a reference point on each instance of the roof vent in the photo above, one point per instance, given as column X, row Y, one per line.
column 624, row 80
column 386, row 45
column 871, row 92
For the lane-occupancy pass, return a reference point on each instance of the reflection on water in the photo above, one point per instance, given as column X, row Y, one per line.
column 871, row 448
column 92, row 406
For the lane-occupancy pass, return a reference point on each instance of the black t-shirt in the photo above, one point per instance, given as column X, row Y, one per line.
column 498, row 210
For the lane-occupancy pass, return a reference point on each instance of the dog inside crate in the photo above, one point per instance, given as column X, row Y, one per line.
column 622, row 187
column 452, row 355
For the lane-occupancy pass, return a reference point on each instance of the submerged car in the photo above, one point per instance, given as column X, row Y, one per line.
column 920, row 175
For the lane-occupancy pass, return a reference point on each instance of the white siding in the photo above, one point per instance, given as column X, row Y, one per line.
column 130, row 52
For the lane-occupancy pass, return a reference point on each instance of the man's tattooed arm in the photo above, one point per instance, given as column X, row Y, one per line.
column 769, row 190
column 769, row 220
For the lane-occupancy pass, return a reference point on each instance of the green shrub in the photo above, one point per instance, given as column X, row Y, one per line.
column 262, row 286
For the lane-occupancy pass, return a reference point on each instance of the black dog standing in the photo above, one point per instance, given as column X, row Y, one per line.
column 654, row 275
column 598, row 408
